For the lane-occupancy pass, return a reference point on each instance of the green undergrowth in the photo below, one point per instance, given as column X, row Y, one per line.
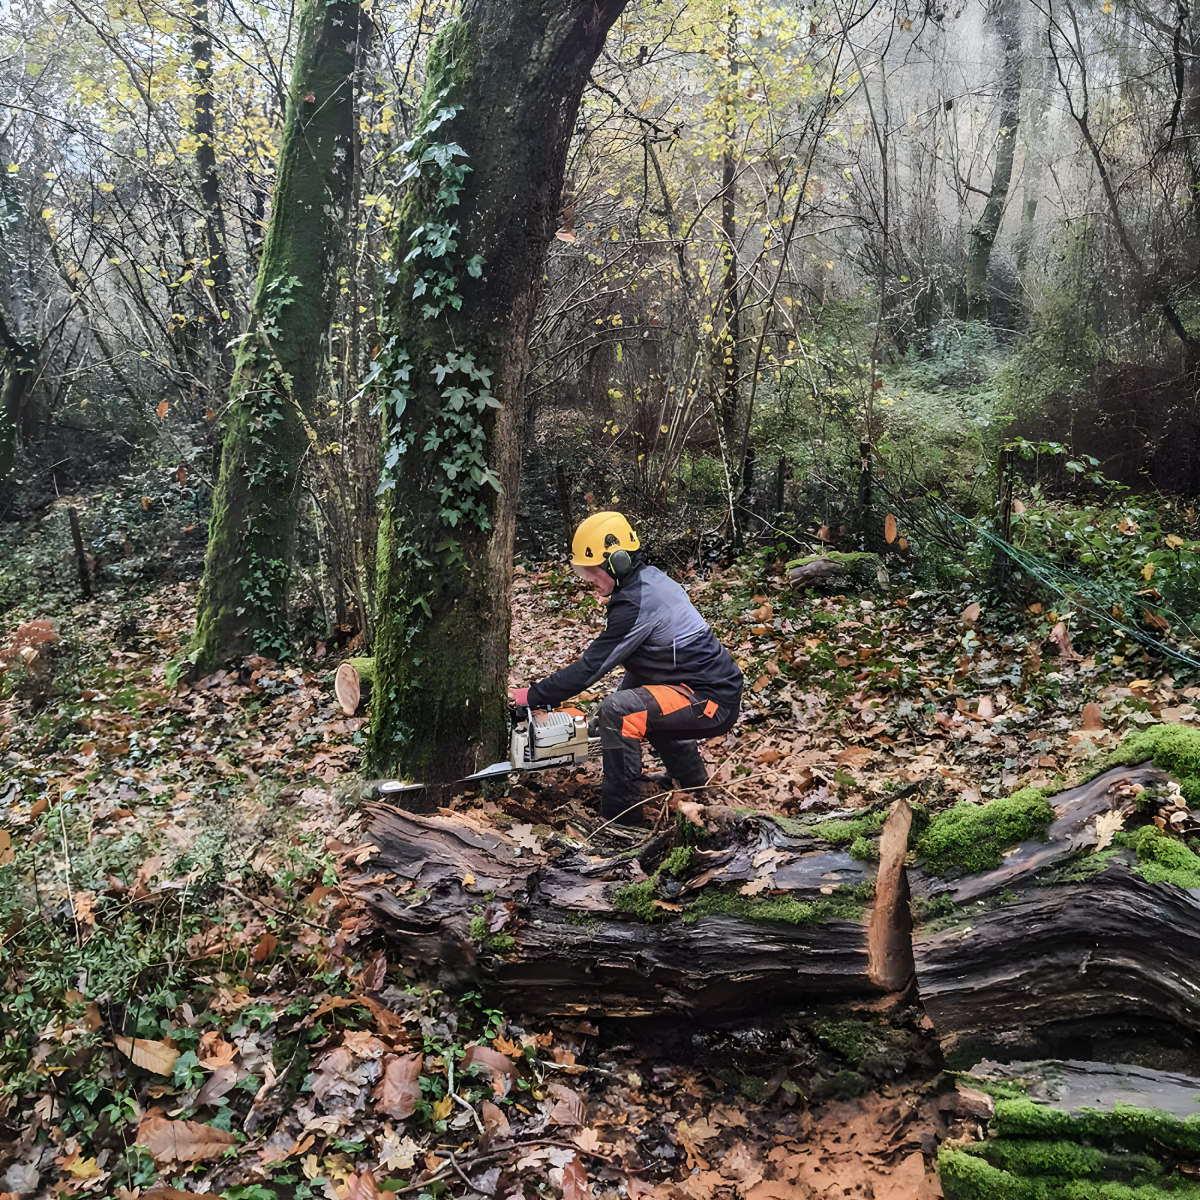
column 1172, row 748
column 676, row 863
column 847, row 831
column 861, row 569
column 970, row 837
column 1033, row 1152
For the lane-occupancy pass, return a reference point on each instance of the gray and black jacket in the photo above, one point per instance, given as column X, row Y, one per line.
column 655, row 632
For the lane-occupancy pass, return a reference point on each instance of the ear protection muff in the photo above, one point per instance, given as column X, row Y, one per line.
column 619, row 564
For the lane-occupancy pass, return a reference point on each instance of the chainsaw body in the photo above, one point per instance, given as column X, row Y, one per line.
column 538, row 739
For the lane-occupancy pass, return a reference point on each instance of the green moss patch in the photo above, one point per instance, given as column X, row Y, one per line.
column 846, row 904
column 848, row 831
column 1172, row 748
column 637, row 899
column 676, row 863
column 1162, row 859
column 970, row 837
column 1039, row 1153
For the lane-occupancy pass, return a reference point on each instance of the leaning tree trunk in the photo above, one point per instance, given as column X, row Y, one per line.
column 243, row 597
column 983, row 233
column 503, row 87
column 19, row 361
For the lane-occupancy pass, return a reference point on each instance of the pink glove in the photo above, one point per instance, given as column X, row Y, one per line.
column 519, row 696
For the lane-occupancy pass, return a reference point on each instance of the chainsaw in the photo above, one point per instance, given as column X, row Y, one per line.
column 538, row 739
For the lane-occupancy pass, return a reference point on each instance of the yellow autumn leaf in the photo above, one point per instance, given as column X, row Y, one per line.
column 1174, row 541
column 441, row 1108
column 1148, row 572
column 468, row 880
column 13, row 168
column 47, row 213
column 84, row 1168
column 106, row 187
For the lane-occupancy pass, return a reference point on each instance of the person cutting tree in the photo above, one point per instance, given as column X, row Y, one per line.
column 680, row 683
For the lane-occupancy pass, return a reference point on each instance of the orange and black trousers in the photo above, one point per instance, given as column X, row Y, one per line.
column 671, row 717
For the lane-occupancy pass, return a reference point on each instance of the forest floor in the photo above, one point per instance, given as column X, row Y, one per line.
column 192, row 997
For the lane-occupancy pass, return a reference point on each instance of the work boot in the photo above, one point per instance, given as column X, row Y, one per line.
column 684, row 763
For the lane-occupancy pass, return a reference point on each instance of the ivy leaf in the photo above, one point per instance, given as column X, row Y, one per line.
column 475, row 266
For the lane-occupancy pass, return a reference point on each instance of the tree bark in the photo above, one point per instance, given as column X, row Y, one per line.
column 243, row 597
column 216, row 262
column 983, row 233
column 19, row 361
column 511, row 73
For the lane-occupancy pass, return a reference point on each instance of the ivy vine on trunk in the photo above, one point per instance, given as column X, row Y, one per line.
column 484, row 184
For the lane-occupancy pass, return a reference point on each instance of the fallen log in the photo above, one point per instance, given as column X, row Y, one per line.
column 1045, row 925
column 763, row 917
column 1073, row 1130
column 1066, row 942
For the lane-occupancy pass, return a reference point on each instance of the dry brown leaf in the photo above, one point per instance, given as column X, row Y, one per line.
column 494, row 1120
column 214, row 1051
column 397, row 1092
column 265, row 945
column 6, row 851
column 359, row 1186
column 347, row 688
column 575, row 1184
column 1106, row 825
column 158, row 1057
column 503, row 1069
column 986, row 708
column 889, row 529
column 568, row 1105
column 162, row 409
column 181, row 1141
column 970, row 614
column 755, row 886
column 854, row 756
column 760, row 683
column 1060, row 639
column 1093, row 716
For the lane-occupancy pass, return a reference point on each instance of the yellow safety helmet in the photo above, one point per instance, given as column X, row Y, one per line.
column 600, row 535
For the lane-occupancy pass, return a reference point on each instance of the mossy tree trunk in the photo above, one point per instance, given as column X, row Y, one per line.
column 503, row 87
column 18, row 360
column 243, row 597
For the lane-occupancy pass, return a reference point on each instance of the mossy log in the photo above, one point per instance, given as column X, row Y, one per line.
column 558, row 930
column 1075, row 1130
column 837, row 570
column 1045, row 925
column 1061, row 944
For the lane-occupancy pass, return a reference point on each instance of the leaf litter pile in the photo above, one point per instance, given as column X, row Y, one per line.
column 194, row 1000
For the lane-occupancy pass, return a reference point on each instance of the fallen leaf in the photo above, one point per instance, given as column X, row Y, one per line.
column 755, row 886
column 1093, row 716
column 160, row 1192
column 568, row 1105
column 575, row 1184
column 398, row 1154
column 1106, row 825
column 214, row 1051
column 149, row 1055
column 1060, row 639
column 162, row 409
column 359, row 1186
column 970, row 614
column 398, row 1090
column 441, row 1108
column 181, row 474
column 181, row 1141
column 263, row 947
column 854, row 757
column 760, row 683
column 6, row 851
column 889, row 529
column 494, row 1120
column 503, row 1069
